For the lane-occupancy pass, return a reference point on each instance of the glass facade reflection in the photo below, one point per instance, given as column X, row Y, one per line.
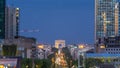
column 2, row 19
column 106, row 18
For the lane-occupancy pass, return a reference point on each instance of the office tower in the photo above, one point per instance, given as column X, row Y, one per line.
column 107, row 26
column 2, row 19
column 11, row 22
column 106, row 18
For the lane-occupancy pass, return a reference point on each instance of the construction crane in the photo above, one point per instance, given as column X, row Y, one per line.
column 34, row 30
column 105, row 22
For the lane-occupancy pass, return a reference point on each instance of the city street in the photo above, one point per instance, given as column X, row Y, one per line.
column 60, row 61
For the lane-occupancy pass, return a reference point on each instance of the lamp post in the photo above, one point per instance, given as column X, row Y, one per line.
column 80, row 55
column 33, row 55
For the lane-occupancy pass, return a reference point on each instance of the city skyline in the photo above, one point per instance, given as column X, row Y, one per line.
column 70, row 20
column 60, row 34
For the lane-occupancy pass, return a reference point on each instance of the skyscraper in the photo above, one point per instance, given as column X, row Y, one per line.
column 106, row 18
column 2, row 19
column 11, row 22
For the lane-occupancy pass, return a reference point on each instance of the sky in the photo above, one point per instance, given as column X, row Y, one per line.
column 69, row 20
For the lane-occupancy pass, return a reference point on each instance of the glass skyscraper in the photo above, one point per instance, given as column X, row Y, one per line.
column 106, row 18
column 2, row 19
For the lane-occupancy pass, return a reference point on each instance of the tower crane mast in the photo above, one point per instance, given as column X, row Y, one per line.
column 30, row 31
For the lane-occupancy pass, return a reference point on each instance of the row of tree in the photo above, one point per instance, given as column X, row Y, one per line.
column 38, row 63
column 89, row 62
column 68, row 57
column 92, row 62
column 9, row 50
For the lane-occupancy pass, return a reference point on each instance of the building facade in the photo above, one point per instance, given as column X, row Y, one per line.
column 106, row 18
column 107, row 26
column 2, row 19
column 11, row 23
column 9, row 20
column 59, row 43
column 110, row 45
column 43, row 51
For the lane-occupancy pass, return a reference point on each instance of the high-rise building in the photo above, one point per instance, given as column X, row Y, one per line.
column 11, row 22
column 106, row 18
column 107, row 26
column 2, row 19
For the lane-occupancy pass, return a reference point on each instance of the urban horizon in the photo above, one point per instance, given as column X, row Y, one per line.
column 29, row 28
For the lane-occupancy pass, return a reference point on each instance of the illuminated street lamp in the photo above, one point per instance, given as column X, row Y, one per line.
column 40, row 46
column 36, row 66
column 81, row 46
column 1, row 66
column 26, row 66
column 80, row 55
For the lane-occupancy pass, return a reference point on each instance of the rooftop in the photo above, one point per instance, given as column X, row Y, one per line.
column 102, row 55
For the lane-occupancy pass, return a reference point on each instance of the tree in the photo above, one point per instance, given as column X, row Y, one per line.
column 46, row 63
column 75, row 62
column 38, row 63
column 54, row 50
column 9, row 50
column 91, row 62
column 26, row 63
column 68, row 57
column 51, row 57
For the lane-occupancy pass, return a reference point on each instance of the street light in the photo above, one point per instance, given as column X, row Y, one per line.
column 40, row 46
column 26, row 66
column 80, row 54
column 81, row 46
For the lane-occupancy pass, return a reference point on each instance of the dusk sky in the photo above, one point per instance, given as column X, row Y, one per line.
column 70, row 20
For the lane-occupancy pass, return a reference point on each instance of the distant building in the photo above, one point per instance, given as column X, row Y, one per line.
column 11, row 24
column 10, row 62
column 74, row 49
column 43, row 51
column 59, row 43
column 9, row 20
column 110, row 45
column 24, row 46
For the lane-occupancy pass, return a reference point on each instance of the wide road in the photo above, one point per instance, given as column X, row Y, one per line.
column 60, row 61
